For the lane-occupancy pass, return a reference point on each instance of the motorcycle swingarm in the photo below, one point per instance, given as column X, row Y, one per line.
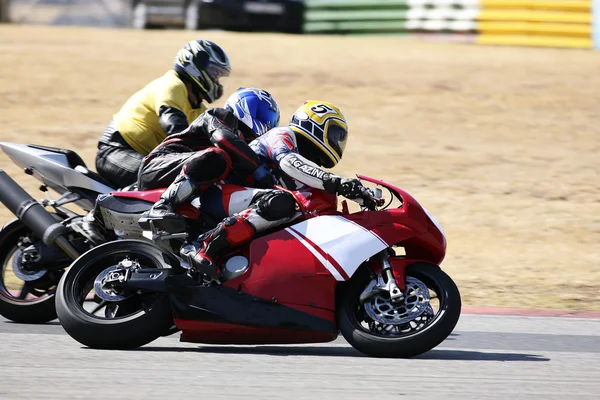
column 147, row 280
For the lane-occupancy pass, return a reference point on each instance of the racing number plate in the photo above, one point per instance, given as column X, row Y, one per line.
column 263, row 8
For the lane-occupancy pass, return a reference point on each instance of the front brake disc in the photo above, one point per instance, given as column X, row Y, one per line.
column 416, row 301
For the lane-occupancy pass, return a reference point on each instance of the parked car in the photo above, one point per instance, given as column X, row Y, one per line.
column 245, row 15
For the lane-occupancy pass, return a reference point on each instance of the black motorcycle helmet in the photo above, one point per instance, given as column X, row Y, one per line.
column 203, row 63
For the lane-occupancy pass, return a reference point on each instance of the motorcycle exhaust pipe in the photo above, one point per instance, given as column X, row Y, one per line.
column 34, row 215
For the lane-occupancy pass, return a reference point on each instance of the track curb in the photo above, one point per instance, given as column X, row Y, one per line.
column 530, row 312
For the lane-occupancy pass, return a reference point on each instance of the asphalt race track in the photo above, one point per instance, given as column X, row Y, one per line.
column 487, row 357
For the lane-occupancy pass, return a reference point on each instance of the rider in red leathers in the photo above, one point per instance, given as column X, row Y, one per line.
column 213, row 148
column 315, row 138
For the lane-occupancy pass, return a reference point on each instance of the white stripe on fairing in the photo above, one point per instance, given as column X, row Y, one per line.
column 349, row 244
column 364, row 229
column 319, row 257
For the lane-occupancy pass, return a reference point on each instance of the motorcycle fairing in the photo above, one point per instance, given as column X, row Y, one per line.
column 53, row 168
column 409, row 227
column 282, row 268
column 301, row 264
column 122, row 204
column 150, row 196
column 224, row 333
column 188, row 210
column 340, row 244
column 197, row 310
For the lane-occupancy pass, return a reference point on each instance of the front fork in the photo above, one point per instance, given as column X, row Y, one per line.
column 390, row 277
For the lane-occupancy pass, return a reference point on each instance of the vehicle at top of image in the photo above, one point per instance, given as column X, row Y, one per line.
column 374, row 275
column 37, row 246
column 285, row 16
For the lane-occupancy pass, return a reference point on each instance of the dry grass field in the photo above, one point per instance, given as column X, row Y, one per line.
column 502, row 145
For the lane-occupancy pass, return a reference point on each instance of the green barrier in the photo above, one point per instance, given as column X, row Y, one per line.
column 370, row 4
column 355, row 16
column 373, row 15
column 390, row 16
column 356, row 26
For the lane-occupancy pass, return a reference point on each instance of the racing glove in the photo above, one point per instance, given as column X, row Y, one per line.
column 350, row 188
column 367, row 202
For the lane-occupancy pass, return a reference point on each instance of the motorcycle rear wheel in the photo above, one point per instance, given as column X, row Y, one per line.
column 129, row 323
column 31, row 301
column 425, row 331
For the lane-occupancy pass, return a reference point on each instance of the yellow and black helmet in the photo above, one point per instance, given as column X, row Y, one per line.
column 203, row 63
column 322, row 132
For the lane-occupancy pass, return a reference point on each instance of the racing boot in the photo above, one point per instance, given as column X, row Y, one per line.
column 163, row 214
column 232, row 232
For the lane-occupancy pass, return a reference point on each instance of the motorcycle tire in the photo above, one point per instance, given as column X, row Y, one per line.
column 28, row 311
column 406, row 345
column 123, row 332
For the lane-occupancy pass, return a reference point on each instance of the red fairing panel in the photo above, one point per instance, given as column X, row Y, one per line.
column 150, row 196
column 317, row 200
column 411, row 229
column 392, row 226
column 428, row 242
column 281, row 268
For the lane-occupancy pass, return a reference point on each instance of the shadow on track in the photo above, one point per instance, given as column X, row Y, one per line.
column 265, row 350
column 338, row 351
column 51, row 323
column 478, row 356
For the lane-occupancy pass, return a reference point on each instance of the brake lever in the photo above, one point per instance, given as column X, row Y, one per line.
column 368, row 194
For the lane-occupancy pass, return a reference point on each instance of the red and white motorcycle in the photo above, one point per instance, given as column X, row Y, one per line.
column 374, row 275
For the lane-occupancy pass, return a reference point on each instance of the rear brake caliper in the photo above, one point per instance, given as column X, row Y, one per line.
column 25, row 263
column 108, row 281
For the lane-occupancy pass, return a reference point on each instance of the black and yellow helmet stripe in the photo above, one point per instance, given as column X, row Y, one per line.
column 331, row 154
column 314, row 120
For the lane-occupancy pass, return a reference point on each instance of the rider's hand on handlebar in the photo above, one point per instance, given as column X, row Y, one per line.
column 353, row 189
column 368, row 199
column 350, row 188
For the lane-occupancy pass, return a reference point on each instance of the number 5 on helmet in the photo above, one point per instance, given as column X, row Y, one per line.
column 322, row 132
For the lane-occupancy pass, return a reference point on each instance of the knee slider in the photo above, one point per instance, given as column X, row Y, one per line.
column 210, row 165
column 276, row 205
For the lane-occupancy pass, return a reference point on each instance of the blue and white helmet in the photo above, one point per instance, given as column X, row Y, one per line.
column 256, row 108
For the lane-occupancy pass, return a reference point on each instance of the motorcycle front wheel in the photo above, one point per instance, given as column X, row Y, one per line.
column 422, row 320
column 109, row 319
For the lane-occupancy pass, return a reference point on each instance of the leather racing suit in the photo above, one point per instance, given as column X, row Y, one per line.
column 209, row 150
column 252, row 210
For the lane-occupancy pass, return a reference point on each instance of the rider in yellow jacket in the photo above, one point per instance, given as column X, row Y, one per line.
column 164, row 107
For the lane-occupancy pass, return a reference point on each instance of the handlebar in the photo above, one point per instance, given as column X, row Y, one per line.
column 367, row 199
column 370, row 200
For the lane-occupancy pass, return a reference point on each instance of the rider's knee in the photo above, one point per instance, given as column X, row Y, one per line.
column 275, row 205
column 210, row 165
